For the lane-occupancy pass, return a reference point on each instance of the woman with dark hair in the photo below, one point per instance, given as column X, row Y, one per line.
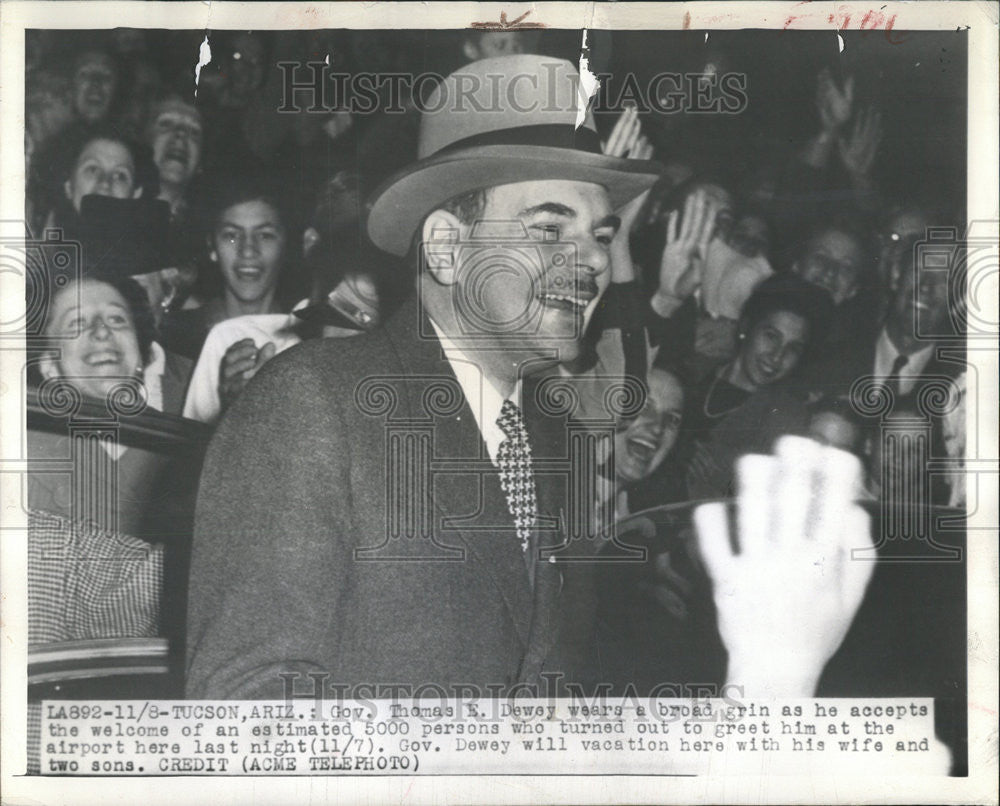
column 105, row 334
column 252, row 256
column 95, row 161
column 745, row 404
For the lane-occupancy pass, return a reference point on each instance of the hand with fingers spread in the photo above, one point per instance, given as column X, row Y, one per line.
column 240, row 363
column 687, row 241
column 627, row 139
column 622, row 267
column 787, row 593
column 834, row 104
column 858, row 150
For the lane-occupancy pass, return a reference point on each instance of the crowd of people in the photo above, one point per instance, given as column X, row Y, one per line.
column 217, row 233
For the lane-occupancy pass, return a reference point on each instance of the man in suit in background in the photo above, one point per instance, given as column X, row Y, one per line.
column 390, row 511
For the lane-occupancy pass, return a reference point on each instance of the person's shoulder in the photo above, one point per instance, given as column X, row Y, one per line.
column 330, row 364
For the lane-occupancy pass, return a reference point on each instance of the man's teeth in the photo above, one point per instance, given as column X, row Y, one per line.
column 580, row 303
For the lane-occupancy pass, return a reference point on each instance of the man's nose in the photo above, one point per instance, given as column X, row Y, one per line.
column 593, row 259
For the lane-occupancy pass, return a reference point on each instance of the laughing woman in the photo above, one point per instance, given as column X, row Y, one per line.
column 101, row 337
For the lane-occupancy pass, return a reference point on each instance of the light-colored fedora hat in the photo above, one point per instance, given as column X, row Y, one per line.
column 496, row 122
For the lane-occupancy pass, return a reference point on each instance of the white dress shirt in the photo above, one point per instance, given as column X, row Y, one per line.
column 481, row 395
column 152, row 376
column 885, row 356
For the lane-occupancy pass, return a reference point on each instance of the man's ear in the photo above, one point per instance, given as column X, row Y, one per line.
column 440, row 242
column 67, row 190
column 137, row 193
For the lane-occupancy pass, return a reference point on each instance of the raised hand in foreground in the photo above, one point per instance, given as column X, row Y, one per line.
column 787, row 591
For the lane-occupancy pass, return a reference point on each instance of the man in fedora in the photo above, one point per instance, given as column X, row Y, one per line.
column 389, row 511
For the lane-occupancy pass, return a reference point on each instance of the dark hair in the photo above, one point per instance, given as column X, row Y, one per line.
column 136, row 300
column 789, row 293
column 225, row 189
column 466, row 207
column 146, row 175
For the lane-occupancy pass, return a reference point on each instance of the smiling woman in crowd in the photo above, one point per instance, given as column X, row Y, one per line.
column 748, row 402
column 101, row 340
column 98, row 162
column 105, row 333
column 642, row 444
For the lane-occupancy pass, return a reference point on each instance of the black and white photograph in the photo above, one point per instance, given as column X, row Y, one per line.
column 499, row 403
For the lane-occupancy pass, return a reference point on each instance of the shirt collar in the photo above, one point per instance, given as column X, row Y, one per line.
column 482, row 396
column 885, row 356
column 152, row 376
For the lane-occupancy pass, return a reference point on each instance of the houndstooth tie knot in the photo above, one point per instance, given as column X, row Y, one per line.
column 516, row 476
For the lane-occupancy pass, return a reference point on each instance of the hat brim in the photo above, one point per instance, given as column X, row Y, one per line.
column 323, row 314
column 398, row 207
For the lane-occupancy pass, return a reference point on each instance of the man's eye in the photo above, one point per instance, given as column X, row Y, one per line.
column 123, row 177
column 75, row 325
column 605, row 238
column 117, row 320
column 550, row 231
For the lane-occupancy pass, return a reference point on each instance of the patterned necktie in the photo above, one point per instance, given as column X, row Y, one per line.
column 516, row 476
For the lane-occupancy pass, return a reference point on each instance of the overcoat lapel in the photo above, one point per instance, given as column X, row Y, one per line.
column 469, row 505
column 549, row 441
